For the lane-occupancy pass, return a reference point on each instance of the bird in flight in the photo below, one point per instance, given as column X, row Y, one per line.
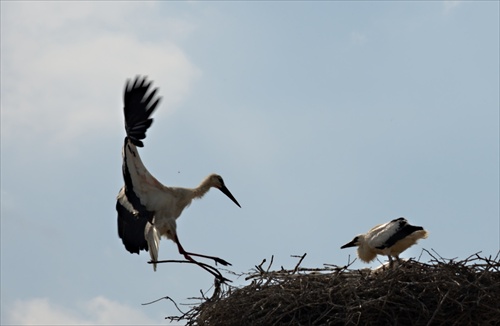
column 147, row 209
column 390, row 239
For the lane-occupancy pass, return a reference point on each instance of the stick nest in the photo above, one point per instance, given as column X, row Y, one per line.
column 440, row 292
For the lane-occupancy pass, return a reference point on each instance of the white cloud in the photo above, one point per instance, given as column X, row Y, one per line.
column 64, row 65
column 97, row 311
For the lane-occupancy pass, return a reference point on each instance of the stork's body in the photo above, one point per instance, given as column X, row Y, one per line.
column 146, row 208
column 390, row 239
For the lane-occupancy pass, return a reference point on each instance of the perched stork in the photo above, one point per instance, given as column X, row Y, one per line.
column 390, row 239
column 146, row 208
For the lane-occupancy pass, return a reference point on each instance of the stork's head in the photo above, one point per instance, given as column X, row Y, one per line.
column 354, row 243
column 216, row 181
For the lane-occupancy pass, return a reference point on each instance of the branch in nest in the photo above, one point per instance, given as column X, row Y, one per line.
column 298, row 264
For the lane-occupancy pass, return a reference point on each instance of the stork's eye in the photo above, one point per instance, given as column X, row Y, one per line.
column 220, row 180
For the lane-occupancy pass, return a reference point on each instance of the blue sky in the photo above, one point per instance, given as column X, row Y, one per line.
column 324, row 118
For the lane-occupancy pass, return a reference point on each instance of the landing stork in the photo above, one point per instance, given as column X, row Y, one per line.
column 390, row 239
column 146, row 208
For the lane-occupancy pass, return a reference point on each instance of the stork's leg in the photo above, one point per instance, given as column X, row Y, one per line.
column 186, row 254
column 391, row 262
column 212, row 270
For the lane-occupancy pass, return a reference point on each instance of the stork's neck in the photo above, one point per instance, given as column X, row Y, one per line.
column 202, row 189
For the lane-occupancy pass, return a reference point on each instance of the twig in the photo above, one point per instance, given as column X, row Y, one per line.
column 164, row 298
column 298, row 264
column 259, row 267
column 270, row 263
column 437, row 308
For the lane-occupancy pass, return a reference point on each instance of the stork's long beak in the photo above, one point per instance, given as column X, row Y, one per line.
column 228, row 193
column 350, row 244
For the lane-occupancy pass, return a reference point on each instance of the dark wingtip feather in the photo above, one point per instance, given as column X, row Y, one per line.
column 139, row 105
column 131, row 229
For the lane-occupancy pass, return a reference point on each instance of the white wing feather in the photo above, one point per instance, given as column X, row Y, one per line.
column 379, row 234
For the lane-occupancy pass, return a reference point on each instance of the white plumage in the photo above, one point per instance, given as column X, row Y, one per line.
column 146, row 208
column 390, row 239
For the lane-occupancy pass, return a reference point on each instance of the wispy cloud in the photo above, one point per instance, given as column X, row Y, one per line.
column 97, row 311
column 50, row 59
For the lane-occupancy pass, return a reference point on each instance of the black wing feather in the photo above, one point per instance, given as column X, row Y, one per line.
column 131, row 229
column 138, row 109
column 403, row 231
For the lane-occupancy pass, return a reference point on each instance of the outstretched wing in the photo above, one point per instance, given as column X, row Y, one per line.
column 141, row 188
column 138, row 107
column 135, row 220
column 131, row 224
